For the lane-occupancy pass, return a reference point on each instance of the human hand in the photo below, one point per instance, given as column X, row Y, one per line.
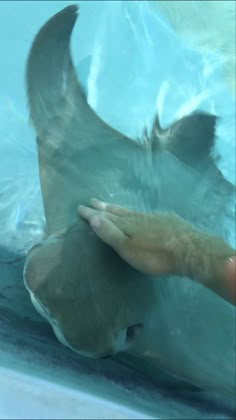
column 145, row 241
column 164, row 244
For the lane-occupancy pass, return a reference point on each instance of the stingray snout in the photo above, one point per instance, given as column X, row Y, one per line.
column 39, row 263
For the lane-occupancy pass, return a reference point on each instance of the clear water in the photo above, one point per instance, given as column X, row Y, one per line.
column 131, row 63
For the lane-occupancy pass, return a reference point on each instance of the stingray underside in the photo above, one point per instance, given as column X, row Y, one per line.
column 80, row 157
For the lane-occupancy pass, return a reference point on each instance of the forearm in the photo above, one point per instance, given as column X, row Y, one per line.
column 204, row 258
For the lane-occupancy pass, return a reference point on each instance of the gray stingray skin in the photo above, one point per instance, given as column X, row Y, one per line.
column 97, row 304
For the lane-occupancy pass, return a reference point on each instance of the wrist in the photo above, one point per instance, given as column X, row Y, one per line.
column 204, row 258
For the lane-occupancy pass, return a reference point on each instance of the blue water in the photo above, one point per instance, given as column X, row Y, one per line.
column 131, row 63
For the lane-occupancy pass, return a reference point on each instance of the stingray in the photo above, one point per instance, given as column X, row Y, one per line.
column 97, row 304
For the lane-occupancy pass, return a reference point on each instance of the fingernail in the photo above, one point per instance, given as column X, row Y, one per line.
column 95, row 222
column 100, row 204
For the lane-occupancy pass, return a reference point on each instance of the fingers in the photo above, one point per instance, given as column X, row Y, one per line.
column 104, row 228
column 111, row 208
column 108, row 232
column 125, row 220
column 87, row 213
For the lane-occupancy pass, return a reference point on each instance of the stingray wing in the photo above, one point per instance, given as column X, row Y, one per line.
column 80, row 156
